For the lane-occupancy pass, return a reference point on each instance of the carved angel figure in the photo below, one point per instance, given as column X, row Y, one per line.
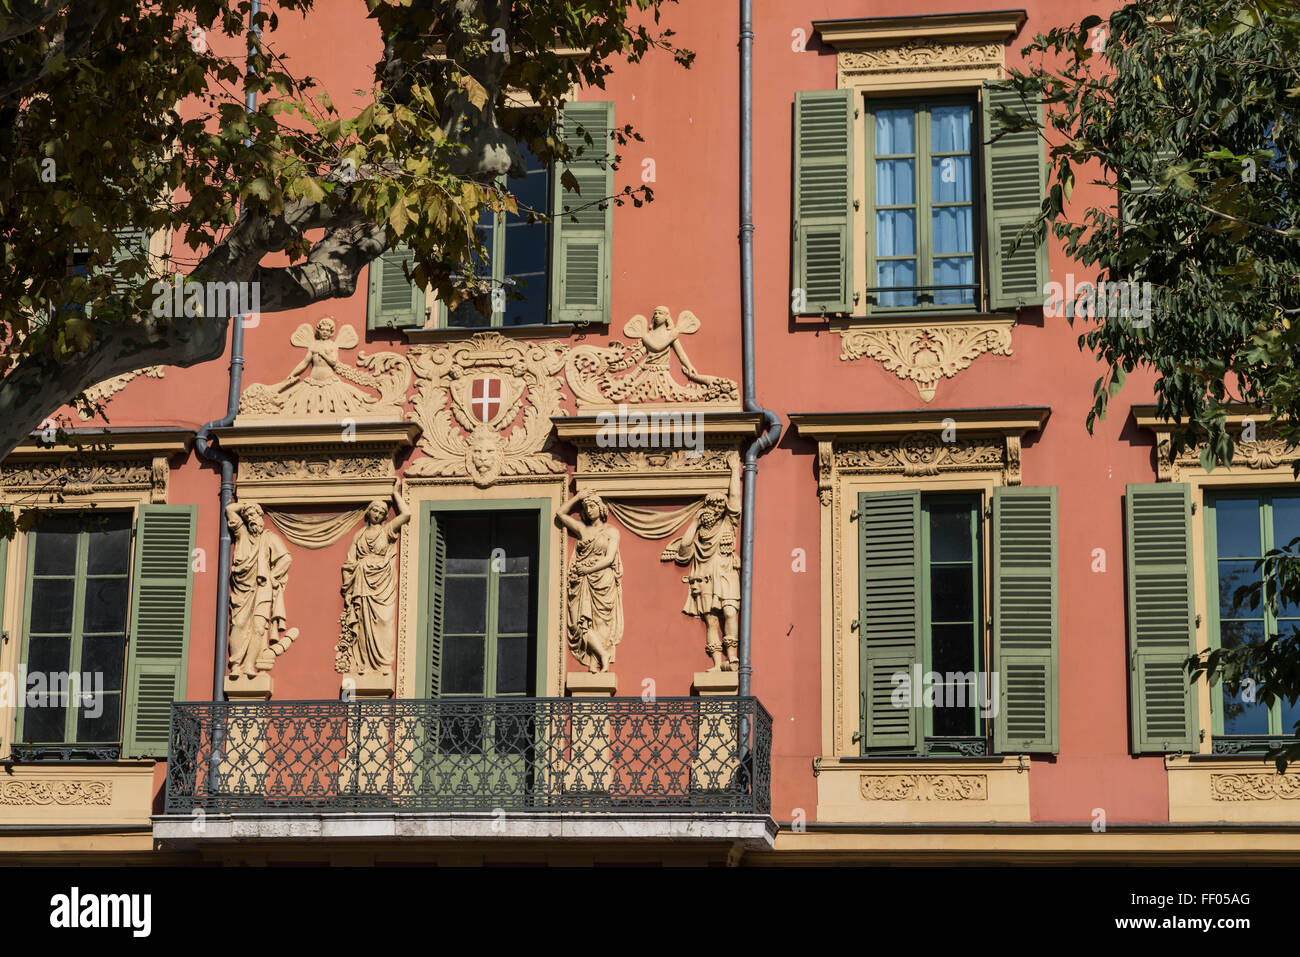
column 644, row 373
column 332, row 387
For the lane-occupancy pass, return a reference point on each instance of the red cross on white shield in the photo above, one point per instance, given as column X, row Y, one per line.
column 486, row 398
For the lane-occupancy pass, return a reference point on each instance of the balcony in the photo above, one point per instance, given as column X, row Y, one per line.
column 455, row 768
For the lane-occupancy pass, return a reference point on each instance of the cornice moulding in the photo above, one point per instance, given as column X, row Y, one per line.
column 122, row 443
column 997, row 25
column 849, row 426
column 397, row 435
column 584, row 430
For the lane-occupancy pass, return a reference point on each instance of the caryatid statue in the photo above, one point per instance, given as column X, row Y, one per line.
column 259, row 574
column 709, row 547
column 369, row 639
column 595, row 586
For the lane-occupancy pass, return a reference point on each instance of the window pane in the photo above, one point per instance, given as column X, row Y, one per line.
column 895, row 232
column 467, row 543
column 950, row 528
column 512, row 665
column 110, row 548
column 465, row 606
column 950, row 128
column 952, row 648
column 950, row 179
column 56, row 550
column 106, row 601
column 1233, row 575
column 950, row 593
column 51, row 611
column 513, row 610
column 954, row 272
column 1286, row 520
column 43, row 724
column 1236, row 522
column 894, row 182
column 104, row 656
column 99, row 718
column 894, row 132
column 900, row 272
column 516, row 535
column 462, row 666
column 952, row 233
column 48, row 656
column 1241, row 717
column 954, row 721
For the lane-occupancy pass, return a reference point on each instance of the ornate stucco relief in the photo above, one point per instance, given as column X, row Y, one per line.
column 1265, row 452
column 81, row 474
column 485, row 407
column 66, row 793
column 927, row 354
column 101, row 392
column 375, row 388
column 920, row 54
column 924, row 787
column 1254, row 787
column 642, row 373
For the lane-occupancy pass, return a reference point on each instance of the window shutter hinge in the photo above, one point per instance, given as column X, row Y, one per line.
column 853, row 625
column 857, row 736
column 1193, row 508
column 857, row 296
column 853, row 515
column 856, row 113
column 1198, row 621
column 988, row 510
column 857, row 205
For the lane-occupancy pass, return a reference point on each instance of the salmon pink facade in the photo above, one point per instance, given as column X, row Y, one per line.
column 964, row 609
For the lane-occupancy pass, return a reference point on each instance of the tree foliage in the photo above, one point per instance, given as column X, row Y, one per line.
column 1188, row 110
column 122, row 114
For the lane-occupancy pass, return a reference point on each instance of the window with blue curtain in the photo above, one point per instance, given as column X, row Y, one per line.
column 921, row 193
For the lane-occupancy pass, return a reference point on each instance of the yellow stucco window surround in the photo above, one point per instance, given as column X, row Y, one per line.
column 966, row 450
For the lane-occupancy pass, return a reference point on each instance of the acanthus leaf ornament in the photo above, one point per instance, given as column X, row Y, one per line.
column 925, row 355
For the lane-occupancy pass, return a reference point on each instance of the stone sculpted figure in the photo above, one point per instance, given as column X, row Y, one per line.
column 259, row 574
column 369, row 639
column 595, row 589
column 709, row 547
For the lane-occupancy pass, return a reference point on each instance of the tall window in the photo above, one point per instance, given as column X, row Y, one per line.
column 921, row 189
column 1241, row 529
column 78, row 591
column 952, row 636
column 519, row 247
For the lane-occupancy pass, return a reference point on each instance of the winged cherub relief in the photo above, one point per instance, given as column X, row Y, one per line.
column 643, row 372
column 485, row 408
column 332, row 387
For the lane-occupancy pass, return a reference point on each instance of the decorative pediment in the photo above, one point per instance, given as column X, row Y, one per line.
column 1256, row 445
column 927, row 354
column 106, row 465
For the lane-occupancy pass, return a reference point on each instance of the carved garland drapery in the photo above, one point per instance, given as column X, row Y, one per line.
column 916, row 454
column 81, row 474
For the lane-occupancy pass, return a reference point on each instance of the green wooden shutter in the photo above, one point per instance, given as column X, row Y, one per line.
column 160, row 626
column 1025, row 620
column 823, row 202
column 393, row 301
column 582, row 228
column 1015, row 182
column 889, row 614
column 1161, row 617
column 436, row 582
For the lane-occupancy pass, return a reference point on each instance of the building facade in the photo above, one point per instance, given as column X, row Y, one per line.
column 488, row 606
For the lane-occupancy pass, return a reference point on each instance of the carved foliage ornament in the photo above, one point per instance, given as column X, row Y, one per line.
column 101, row 392
column 1254, row 787
column 925, row 355
column 82, row 474
column 68, row 793
column 485, row 408
column 1265, row 452
column 924, row 787
column 920, row 53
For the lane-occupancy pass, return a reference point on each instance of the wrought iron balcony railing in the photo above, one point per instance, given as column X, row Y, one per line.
column 479, row 754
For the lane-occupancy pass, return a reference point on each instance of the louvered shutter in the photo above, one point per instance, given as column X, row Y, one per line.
column 1015, row 182
column 823, row 202
column 393, row 301
column 436, row 577
column 582, row 224
column 161, row 586
column 889, row 614
column 1025, row 620
column 1161, row 617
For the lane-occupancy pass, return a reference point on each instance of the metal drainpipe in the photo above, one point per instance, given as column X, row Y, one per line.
column 203, row 443
column 769, row 437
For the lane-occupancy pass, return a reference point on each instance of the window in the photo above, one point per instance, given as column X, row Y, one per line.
column 931, row 221
column 107, row 615
column 518, row 253
column 559, row 271
column 921, row 190
column 75, row 636
column 1240, row 529
column 926, row 685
